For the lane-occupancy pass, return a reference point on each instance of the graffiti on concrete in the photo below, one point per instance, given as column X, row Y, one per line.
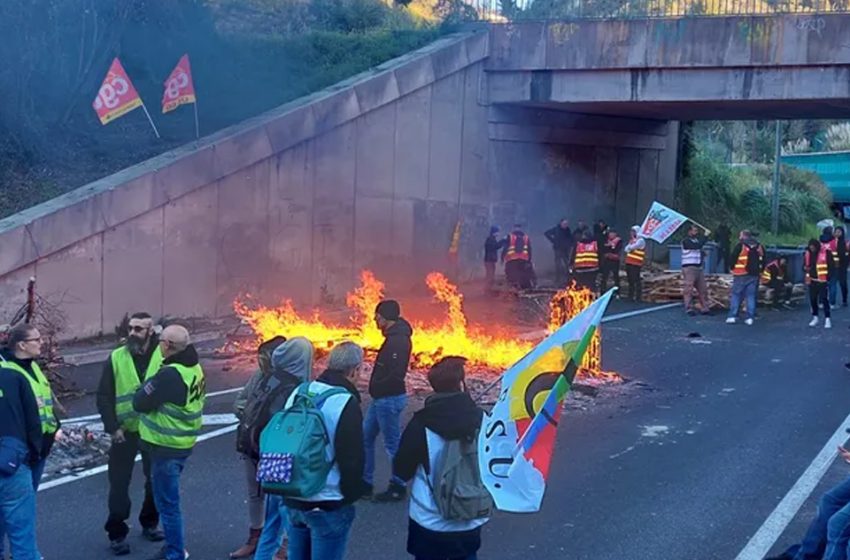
column 811, row 24
column 561, row 32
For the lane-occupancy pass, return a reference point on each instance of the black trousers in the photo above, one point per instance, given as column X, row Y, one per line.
column 586, row 279
column 609, row 268
column 635, row 284
column 122, row 459
column 562, row 266
column 818, row 293
column 782, row 290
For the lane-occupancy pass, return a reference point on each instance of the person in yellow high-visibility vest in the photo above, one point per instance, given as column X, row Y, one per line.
column 123, row 373
column 23, row 347
column 171, row 406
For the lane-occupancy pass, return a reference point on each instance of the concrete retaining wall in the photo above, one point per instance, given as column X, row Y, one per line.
column 292, row 203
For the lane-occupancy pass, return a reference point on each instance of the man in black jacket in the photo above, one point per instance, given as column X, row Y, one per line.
column 20, row 443
column 449, row 414
column 561, row 239
column 389, row 394
column 123, row 373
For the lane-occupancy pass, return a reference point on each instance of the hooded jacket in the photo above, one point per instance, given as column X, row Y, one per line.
column 167, row 386
column 392, row 362
column 445, row 416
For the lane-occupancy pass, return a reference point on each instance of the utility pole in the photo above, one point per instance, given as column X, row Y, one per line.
column 774, row 203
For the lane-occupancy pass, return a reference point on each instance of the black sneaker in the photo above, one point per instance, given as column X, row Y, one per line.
column 691, row 313
column 368, row 492
column 153, row 534
column 119, row 547
column 847, row 365
column 395, row 493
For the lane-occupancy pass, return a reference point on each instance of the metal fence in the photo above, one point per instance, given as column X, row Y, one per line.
column 513, row 10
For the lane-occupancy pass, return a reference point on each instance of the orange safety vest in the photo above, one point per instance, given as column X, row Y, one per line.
column 820, row 265
column 587, row 256
column 636, row 257
column 740, row 268
column 515, row 250
column 765, row 275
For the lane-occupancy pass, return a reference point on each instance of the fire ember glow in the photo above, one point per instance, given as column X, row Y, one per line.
column 486, row 347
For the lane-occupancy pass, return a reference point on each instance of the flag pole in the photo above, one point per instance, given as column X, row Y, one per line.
column 150, row 120
column 197, row 128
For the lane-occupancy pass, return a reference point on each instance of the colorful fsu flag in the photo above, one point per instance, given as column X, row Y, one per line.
column 517, row 438
column 179, row 89
column 661, row 222
column 116, row 96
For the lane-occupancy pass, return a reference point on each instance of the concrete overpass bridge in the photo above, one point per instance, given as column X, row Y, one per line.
column 517, row 122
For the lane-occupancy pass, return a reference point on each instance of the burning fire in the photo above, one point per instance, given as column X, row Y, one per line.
column 452, row 336
column 489, row 347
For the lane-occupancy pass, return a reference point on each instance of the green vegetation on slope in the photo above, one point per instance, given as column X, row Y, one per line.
column 248, row 56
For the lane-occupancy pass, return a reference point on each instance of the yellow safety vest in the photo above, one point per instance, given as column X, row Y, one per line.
column 43, row 394
column 175, row 426
column 127, row 382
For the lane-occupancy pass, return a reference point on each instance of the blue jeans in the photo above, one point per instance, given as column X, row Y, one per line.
column 383, row 416
column 165, row 478
column 319, row 535
column 744, row 288
column 833, row 290
column 830, row 530
column 274, row 527
column 35, row 473
column 17, row 509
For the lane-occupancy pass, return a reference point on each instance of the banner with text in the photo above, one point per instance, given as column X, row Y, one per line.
column 179, row 88
column 116, row 96
column 661, row 222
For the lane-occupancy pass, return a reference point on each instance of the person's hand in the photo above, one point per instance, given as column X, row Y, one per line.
column 844, row 453
column 118, row 436
column 59, row 435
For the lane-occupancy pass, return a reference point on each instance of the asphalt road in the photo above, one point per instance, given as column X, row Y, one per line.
column 685, row 462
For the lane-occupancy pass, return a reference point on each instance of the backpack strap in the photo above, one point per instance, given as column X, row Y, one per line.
column 319, row 399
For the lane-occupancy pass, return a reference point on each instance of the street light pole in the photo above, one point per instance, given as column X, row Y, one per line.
column 774, row 203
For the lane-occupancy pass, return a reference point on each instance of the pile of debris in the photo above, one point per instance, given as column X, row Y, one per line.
column 80, row 447
column 666, row 286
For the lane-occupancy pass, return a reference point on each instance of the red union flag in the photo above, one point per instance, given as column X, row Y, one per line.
column 179, row 89
column 116, row 96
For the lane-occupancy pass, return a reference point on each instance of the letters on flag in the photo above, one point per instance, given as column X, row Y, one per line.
column 179, row 89
column 517, row 438
column 116, row 96
column 661, row 222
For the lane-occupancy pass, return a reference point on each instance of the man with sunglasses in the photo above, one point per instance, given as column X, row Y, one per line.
column 127, row 368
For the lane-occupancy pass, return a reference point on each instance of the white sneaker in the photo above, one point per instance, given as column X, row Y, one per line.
column 813, row 322
column 731, row 321
column 827, row 324
column 748, row 322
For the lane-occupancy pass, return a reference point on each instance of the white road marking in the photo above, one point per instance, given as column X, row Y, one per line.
column 773, row 527
column 540, row 333
column 102, row 468
column 90, row 417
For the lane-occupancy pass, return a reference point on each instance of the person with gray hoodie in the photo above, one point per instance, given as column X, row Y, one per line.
column 293, row 360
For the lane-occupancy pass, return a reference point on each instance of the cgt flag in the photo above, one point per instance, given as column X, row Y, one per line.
column 661, row 222
column 116, row 96
column 517, row 438
column 179, row 89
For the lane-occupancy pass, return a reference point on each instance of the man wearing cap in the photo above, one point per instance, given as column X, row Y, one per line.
column 389, row 395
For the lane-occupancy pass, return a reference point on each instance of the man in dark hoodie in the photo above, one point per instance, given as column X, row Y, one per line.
column 171, row 405
column 389, row 394
column 449, row 414
column 123, row 373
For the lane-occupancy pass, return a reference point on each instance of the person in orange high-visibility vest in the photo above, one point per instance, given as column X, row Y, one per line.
column 817, row 265
column 748, row 259
column 775, row 277
column 586, row 263
column 635, row 256
column 517, row 258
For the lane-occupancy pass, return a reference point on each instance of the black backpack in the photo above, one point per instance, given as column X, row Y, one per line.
column 267, row 398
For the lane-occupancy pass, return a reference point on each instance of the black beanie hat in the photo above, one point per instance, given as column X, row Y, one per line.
column 389, row 310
